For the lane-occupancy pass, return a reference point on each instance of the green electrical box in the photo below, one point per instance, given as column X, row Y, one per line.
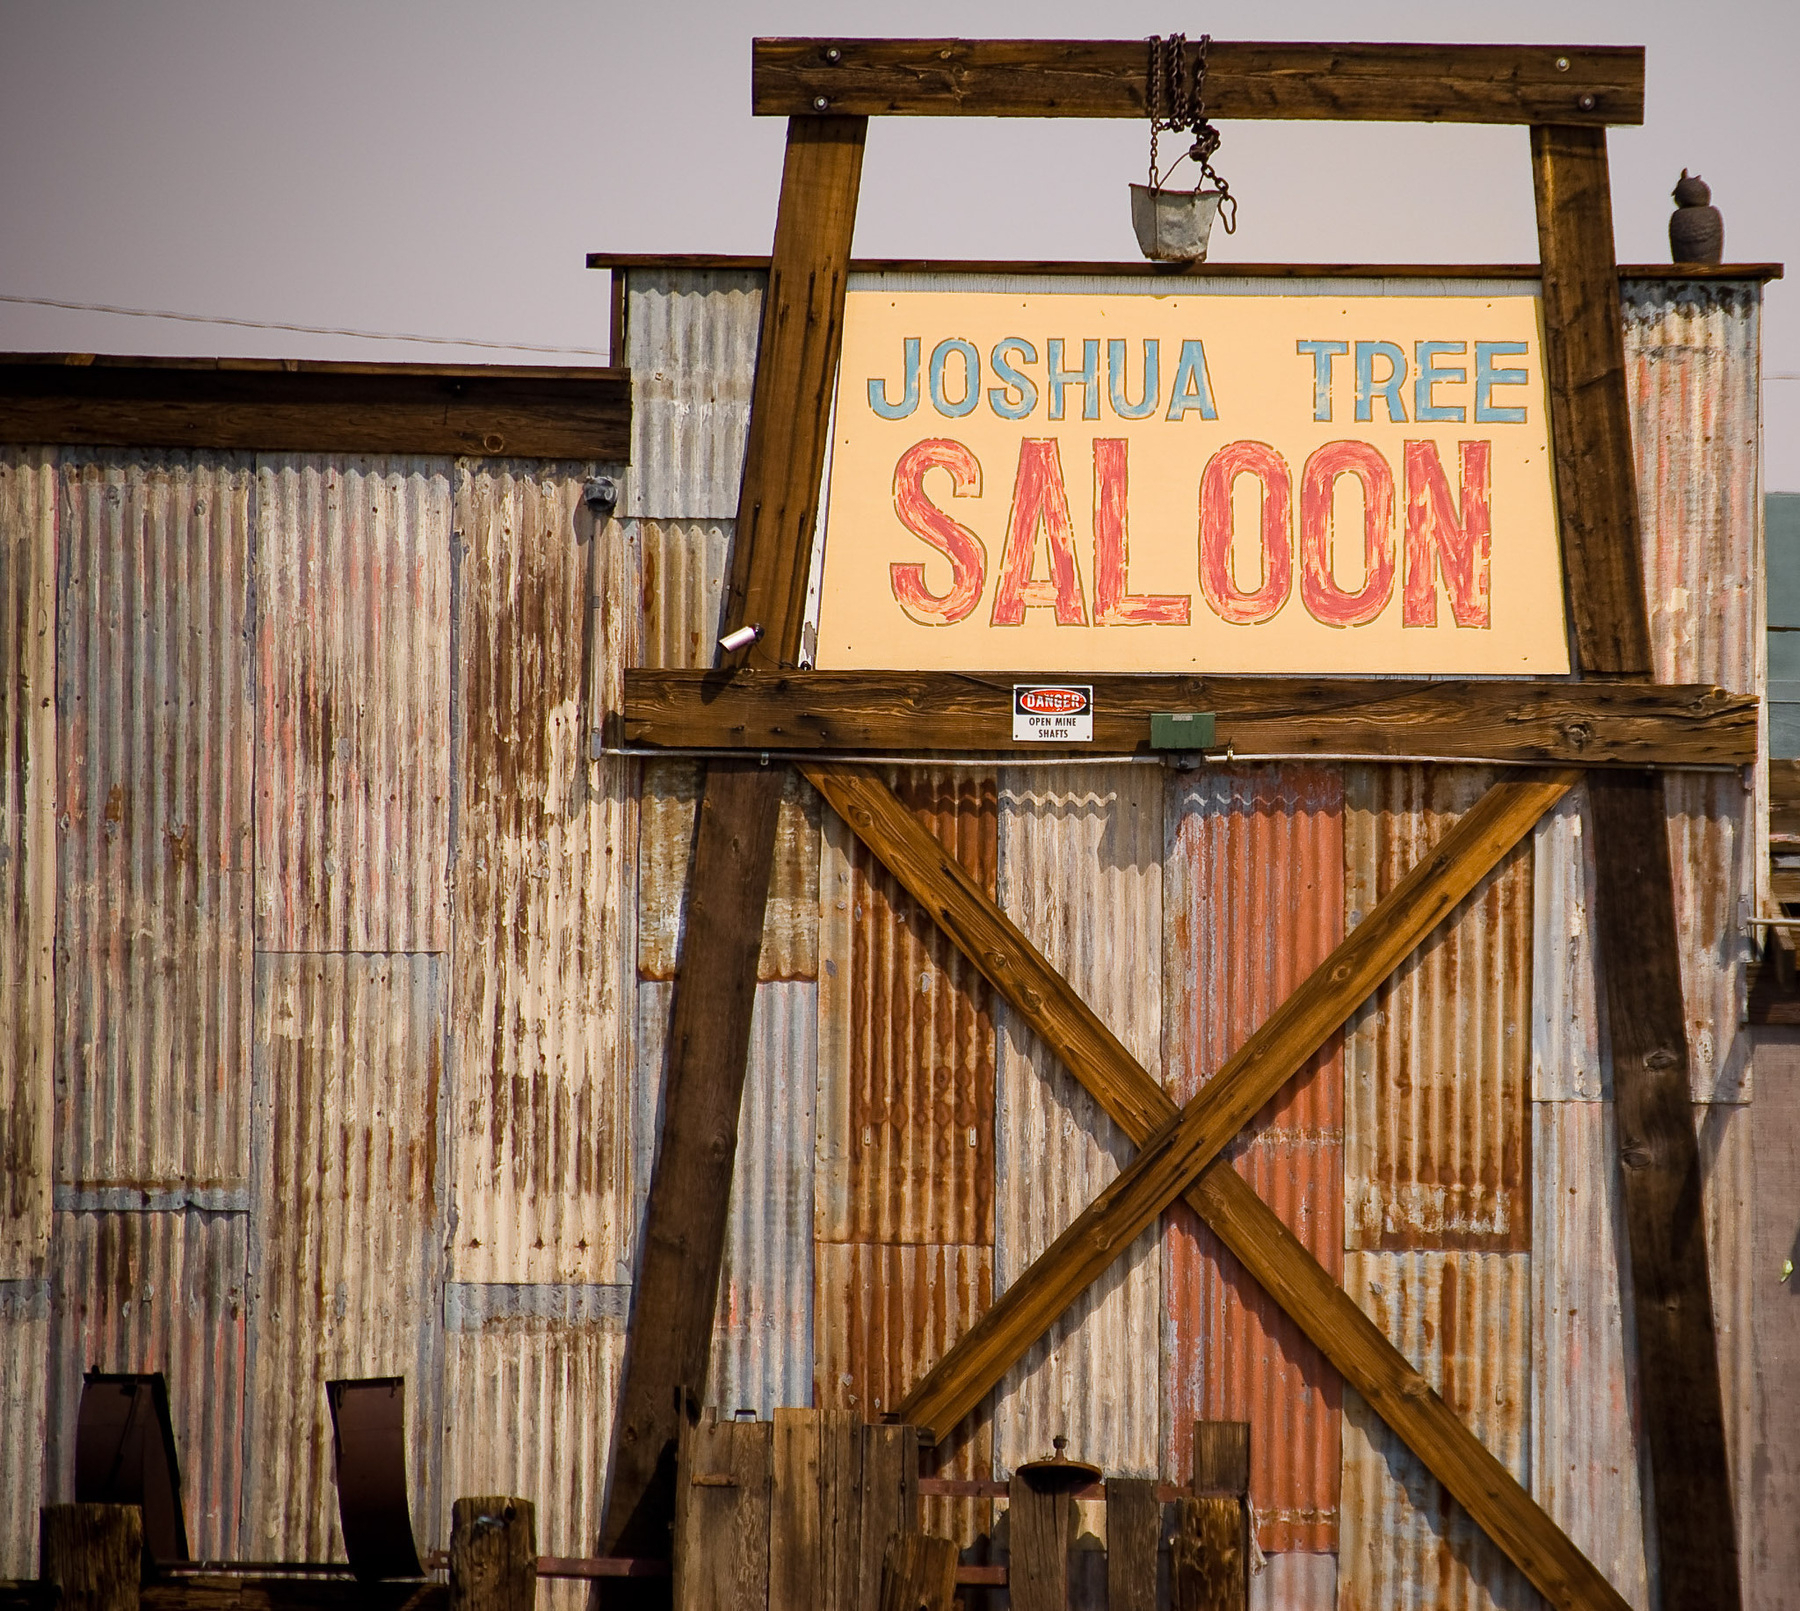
column 1181, row 730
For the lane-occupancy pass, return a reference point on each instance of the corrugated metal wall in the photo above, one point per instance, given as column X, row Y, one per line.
column 341, row 899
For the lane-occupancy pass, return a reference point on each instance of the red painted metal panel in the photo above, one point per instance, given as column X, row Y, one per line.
column 1253, row 902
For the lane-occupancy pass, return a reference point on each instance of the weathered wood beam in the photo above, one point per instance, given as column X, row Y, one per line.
column 1170, row 1159
column 268, row 404
column 1583, row 84
column 1540, row 722
column 1636, row 942
column 1271, row 1253
column 687, row 1208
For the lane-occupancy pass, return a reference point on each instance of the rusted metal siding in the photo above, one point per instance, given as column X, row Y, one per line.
column 1464, row 1320
column 541, row 999
column 347, row 1226
column 530, row 1380
column 1080, row 853
column 28, row 517
column 1585, row 1453
column 353, row 703
column 1253, row 901
column 1437, row 1139
column 154, row 726
column 1693, row 372
column 691, row 337
column 157, row 1292
column 24, row 1353
column 681, row 567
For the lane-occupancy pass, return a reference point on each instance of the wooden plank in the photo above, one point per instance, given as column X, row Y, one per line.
column 1040, row 1531
column 1665, row 1223
column 1248, row 1227
column 890, row 1502
column 493, row 1554
column 1133, row 1533
column 1180, row 1148
column 1208, row 1569
column 1774, row 1566
column 919, row 1574
column 524, row 412
column 802, row 334
column 1106, row 78
column 1590, row 418
column 1222, row 1458
column 94, row 1554
column 795, row 1512
column 722, row 1515
column 1540, row 722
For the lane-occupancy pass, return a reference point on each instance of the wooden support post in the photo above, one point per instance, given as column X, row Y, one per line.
column 493, row 1554
column 709, row 1035
column 1040, row 1529
column 1211, row 1566
column 94, row 1554
column 722, row 1515
column 1637, row 945
column 1133, row 1534
column 919, row 1573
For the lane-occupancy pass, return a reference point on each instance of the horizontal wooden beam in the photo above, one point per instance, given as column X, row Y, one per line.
column 1272, row 1254
column 539, row 412
column 1544, row 722
column 1595, row 84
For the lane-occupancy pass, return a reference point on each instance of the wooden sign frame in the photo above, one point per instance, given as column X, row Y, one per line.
column 1567, row 96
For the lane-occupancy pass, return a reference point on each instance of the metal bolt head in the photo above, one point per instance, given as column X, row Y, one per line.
column 1562, row 64
column 1586, row 103
column 834, row 54
column 820, row 103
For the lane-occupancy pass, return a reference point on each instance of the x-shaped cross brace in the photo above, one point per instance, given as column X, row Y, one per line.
column 1180, row 1148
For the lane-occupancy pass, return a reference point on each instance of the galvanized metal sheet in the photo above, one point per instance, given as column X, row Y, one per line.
column 533, row 1373
column 1464, row 1320
column 1080, row 854
column 28, row 519
column 1585, row 1449
column 1773, row 1565
column 1437, row 1139
column 682, row 567
column 353, row 703
column 542, row 1000
column 24, row 1355
column 157, row 1292
column 347, row 1218
column 1253, row 898
column 154, row 729
column 1295, row 1582
column 1713, row 827
column 691, row 338
column 1566, row 1059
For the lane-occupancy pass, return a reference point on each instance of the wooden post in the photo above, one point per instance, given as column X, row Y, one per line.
column 722, row 1516
column 919, row 1573
column 493, row 1554
column 1040, row 1529
column 1210, row 1570
column 94, row 1554
column 1133, row 1531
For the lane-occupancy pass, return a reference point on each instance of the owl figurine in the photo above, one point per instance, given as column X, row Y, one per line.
column 1696, row 231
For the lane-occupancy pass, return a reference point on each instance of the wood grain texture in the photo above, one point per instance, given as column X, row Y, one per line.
column 919, row 1573
column 1181, row 1147
column 1106, row 78
column 493, row 1554
column 1545, row 722
column 1222, row 1458
column 1635, row 938
column 93, row 1553
column 722, row 1515
column 1265, row 1246
column 1590, row 416
column 890, row 1502
column 796, row 376
column 535, row 412
column 1133, row 1534
column 804, row 1500
column 1040, row 1532
column 1208, row 1565
column 1774, row 1566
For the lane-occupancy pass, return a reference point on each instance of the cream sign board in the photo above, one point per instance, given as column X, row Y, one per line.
column 1224, row 483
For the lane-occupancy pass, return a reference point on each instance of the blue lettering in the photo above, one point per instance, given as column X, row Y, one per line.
column 909, row 399
column 1487, row 377
column 1425, row 356
column 1087, row 377
column 940, row 355
column 1322, row 354
column 1388, row 388
column 1191, row 389
column 1148, row 398
column 1011, row 380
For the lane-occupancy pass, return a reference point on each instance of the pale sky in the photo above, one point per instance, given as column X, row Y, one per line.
column 442, row 169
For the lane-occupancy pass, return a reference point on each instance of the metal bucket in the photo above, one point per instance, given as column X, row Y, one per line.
column 1173, row 225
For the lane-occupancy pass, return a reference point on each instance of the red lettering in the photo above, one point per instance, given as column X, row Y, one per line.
column 1039, row 499
column 919, row 515
column 1440, row 538
column 1228, row 601
column 1113, row 604
column 1325, row 601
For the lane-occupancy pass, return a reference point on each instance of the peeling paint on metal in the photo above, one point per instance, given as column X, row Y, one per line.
column 347, row 1250
column 157, row 1292
column 24, row 1353
column 1253, row 901
column 28, row 519
column 1585, row 1449
column 1464, row 1320
column 691, row 337
column 353, row 703
column 154, row 734
column 1080, row 872
column 542, row 1002
column 1437, row 1142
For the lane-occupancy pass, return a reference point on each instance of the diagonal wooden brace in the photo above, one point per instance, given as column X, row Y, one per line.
column 1267, row 1249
